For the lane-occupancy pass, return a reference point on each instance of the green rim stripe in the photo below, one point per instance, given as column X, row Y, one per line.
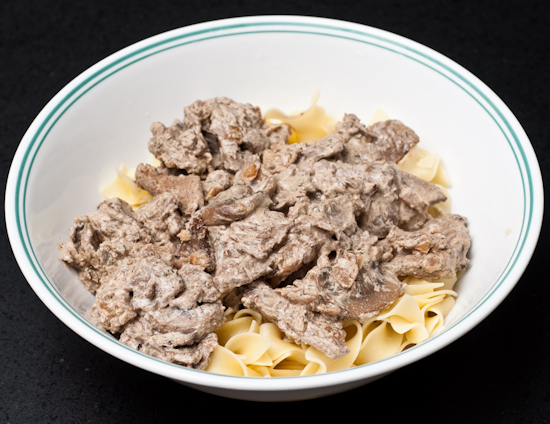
column 111, row 69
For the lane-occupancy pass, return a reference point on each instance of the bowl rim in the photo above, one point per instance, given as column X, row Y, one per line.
column 15, row 197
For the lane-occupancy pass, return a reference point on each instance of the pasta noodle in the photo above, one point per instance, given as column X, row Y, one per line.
column 125, row 188
column 307, row 126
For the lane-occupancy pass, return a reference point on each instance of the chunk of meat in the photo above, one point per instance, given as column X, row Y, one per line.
column 234, row 267
column 186, row 189
column 437, row 250
column 163, row 221
column 196, row 246
column 161, row 217
column 350, row 286
column 199, row 287
column 181, row 147
column 233, row 204
column 232, row 130
column 138, row 284
column 297, row 322
column 398, row 199
column 388, row 140
column 278, row 133
column 139, row 335
column 260, row 233
column 280, row 156
column 99, row 239
column 302, row 245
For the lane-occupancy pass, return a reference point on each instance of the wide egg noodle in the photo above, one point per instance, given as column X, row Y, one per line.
column 309, row 125
column 223, row 361
column 251, row 348
column 125, row 188
column 355, row 338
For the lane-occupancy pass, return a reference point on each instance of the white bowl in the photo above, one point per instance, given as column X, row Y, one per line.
column 101, row 120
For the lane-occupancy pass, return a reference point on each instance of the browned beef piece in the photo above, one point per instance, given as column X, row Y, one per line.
column 335, row 179
column 199, row 287
column 233, row 130
column 181, row 327
column 399, row 199
column 243, row 249
column 280, row 156
column 181, row 147
column 233, row 204
column 381, row 195
column 151, row 304
column 294, row 184
column 260, row 233
column 163, row 221
column 317, row 226
column 138, row 285
column 187, row 189
column 141, row 336
column 350, row 286
column 161, row 217
column 195, row 247
column 388, row 140
column 100, row 239
column 297, row 322
column 437, row 250
column 301, row 248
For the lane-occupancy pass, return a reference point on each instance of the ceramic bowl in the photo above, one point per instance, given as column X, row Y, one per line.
column 101, row 120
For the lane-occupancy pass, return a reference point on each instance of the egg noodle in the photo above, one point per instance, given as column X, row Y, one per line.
column 250, row 347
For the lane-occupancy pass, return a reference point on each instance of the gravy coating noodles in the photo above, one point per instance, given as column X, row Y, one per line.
column 252, row 347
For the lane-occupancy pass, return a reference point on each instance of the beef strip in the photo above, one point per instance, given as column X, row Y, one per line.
column 258, row 178
column 163, row 221
column 233, row 204
column 153, row 306
column 389, row 140
column 181, row 147
column 297, row 322
column 100, row 239
column 399, row 199
column 234, row 266
column 233, row 130
column 187, row 189
column 278, row 133
column 350, row 286
column 196, row 246
column 199, row 287
column 138, row 284
column 141, row 336
column 437, row 250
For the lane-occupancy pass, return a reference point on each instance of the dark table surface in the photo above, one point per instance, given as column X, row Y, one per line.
column 497, row 373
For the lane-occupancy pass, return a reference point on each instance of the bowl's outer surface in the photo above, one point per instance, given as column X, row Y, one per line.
column 101, row 120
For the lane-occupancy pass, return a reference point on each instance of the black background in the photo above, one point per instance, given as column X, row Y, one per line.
column 497, row 373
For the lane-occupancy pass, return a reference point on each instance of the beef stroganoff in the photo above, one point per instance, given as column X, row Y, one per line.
column 247, row 248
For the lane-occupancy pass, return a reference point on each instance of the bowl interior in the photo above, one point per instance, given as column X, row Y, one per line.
column 102, row 121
